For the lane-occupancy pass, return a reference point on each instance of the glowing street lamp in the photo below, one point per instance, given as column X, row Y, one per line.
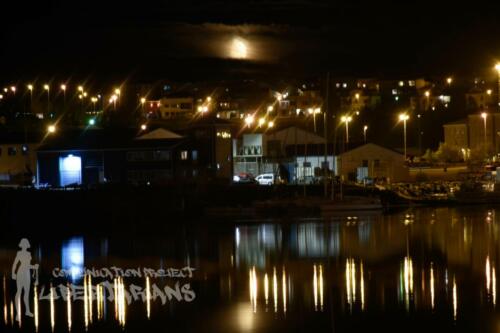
column 91, row 122
column 449, row 80
column 249, row 120
column 143, row 101
column 51, row 129
column 46, row 87
column 404, row 117
column 484, row 115
column 13, row 89
column 144, row 127
column 63, row 89
column 497, row 68
column 365, row 128
column 346, row 120
column 30, row 89
column 93, row 100
column 262, row 121
column 113, row 100
column 270, row 124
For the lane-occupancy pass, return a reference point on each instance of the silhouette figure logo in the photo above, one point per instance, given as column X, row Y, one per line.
column 22, row 274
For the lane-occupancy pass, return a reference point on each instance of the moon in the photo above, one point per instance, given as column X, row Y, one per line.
column 239, row 49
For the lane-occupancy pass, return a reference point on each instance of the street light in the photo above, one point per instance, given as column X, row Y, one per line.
column 497, row 68
column 143, row 101
column 404, row 117
column 93, row 100
column 13, row 89
column 249, row 120
column 270, row 124
column 262, row 121
column 113, row 100
column 346, row 120
column 144, row 127
column 47, row 88
column 365, row 128
column 484, row 115
column 449, row 80
column 63, row 88
column 51, row 129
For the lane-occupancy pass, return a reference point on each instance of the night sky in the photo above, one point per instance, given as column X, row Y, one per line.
column 147, row 40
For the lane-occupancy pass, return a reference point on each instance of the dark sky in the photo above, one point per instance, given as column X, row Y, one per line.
column 191, row 39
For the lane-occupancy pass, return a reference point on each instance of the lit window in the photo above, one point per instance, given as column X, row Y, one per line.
column 194, row 155
column 395, row 91
column 184, row 155
column 411, row 83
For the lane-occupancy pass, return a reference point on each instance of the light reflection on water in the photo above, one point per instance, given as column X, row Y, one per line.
column 431, row 262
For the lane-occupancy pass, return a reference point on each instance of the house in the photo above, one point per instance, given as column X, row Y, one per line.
column 372, row 161
column 97, row 156
column 18, row 157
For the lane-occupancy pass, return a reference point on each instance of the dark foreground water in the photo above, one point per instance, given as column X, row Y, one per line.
column 417, row 270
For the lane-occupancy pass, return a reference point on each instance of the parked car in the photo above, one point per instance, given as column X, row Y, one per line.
column 265, row 179
column 244, row 178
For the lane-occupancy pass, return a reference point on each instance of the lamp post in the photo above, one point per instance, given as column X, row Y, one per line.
column 63, row 88
column 143, row 100
column 365, row 128
column 47, row 88
column 30, row 89
column 404, row 117
column 484, row 115
column 497, row 68
column 94, row 100
column 346, row 120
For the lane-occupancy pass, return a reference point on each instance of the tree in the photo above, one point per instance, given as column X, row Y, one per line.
column 447, row 153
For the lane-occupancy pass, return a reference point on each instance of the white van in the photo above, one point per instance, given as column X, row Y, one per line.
column 265, row 179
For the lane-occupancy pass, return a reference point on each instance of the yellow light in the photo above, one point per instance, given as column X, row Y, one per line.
column 489, row 91
column 317, row 110
column 249, row 120
column 51, row 129
column 209, row 99
column 449, row 80
column 80, row 88
column 63, row 87
column 270, row 124
column 484, row 115
column 497, row 67
column 346, row 119
column 143, row 100
column 310, row 110
column 239, row 49
column 356, row 96
column 13, row 89
column 270, row 108
column 30, row 87
column 427, row 93
column 403, row 116
column 1, row 96
column 144, row 127
column 117, row 91
column 262, row 121
column 46, row 87
column 365, row 127
column 85, row 94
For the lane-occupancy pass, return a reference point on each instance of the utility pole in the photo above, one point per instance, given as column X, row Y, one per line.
column 325, row 134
